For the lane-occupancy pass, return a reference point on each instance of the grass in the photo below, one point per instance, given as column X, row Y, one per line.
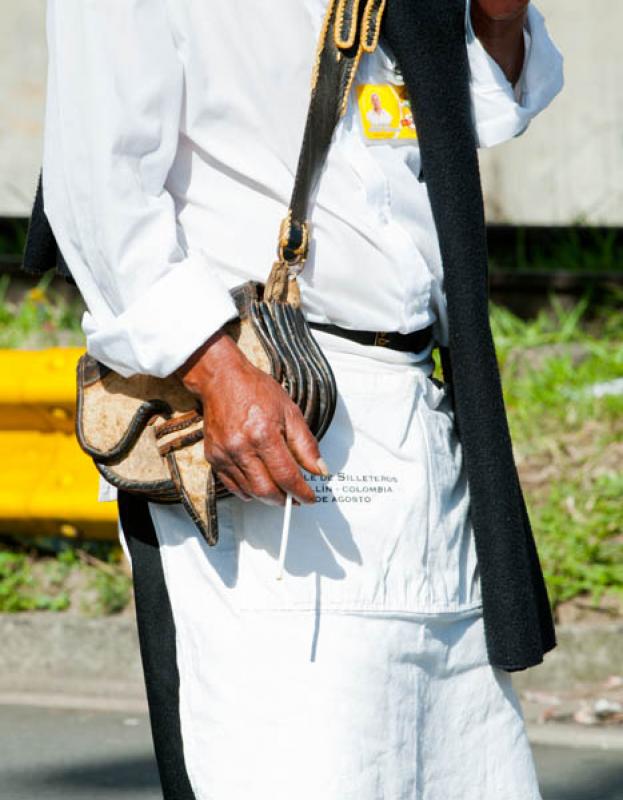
column 568, row 441
column 52, row 575
column 568, row 446
column 23, row 590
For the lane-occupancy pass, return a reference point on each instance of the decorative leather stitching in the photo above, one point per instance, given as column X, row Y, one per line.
column 322, row 42
column 371, row 25
column 137, row 424
column 181, row 442
column 178, row 423
column 165, row 490
column 352, row 71
column 345, row 31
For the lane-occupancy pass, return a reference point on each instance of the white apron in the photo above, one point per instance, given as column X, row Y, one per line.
column 363, row 674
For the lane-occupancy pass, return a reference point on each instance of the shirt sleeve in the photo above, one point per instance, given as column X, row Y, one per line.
column 114, row 104
column 500, row 110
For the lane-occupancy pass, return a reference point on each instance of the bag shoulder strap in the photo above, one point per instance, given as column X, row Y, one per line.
column 350, row 29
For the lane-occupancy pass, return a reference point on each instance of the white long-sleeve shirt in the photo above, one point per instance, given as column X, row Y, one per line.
column 172, row 134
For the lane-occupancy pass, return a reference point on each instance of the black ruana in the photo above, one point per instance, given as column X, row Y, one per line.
column 428, row 41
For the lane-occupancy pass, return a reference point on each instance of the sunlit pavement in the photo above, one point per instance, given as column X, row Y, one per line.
column 52, row 754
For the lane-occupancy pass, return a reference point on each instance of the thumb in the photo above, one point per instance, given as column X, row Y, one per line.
column 303, row 444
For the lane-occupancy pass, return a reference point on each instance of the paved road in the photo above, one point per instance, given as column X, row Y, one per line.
column 49, row 754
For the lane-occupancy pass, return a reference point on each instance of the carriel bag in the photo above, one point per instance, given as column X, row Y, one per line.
column 145, row 434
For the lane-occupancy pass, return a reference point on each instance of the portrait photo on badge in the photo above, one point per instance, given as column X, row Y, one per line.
column 385, row 112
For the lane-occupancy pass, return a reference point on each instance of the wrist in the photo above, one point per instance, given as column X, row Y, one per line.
column 219, row 352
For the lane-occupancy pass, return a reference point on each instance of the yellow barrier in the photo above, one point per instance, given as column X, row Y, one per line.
column 48, row 486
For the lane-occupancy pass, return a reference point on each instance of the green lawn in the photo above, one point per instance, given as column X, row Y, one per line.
column 568, row 437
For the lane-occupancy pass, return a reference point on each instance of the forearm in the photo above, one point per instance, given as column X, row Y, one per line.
column 499, row 25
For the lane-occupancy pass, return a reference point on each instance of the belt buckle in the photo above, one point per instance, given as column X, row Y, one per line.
column 381, row 339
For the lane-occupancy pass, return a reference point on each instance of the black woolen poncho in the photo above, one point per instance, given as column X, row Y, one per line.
column 428, row 41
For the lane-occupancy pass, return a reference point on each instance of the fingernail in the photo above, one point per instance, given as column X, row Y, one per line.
column 324, row 470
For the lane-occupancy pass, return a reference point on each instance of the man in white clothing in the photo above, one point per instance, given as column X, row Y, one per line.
column 172, row 134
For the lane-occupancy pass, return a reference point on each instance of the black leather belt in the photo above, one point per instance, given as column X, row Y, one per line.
column 405, row 342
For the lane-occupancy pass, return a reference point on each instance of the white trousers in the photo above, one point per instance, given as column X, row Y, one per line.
column 363, row 675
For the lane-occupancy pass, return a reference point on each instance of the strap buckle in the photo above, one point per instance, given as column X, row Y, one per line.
column 293, row 243
column 381, row 339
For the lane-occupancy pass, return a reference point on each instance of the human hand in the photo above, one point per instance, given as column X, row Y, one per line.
column 255, row 437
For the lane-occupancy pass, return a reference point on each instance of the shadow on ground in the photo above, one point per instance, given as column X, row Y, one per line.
column 570, row 774
column 135, row 774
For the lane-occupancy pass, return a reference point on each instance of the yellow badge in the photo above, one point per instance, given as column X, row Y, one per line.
column 385, row 112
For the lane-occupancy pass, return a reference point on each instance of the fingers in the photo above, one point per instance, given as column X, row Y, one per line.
column 225, row 468
column 284, row 470
column 302, row 443
column 261, row 483
column 232, row 486
column 247, row 479
column 244, row 474
column 266, row 471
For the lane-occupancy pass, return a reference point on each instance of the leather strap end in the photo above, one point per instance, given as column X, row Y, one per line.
column 276, row 287
column 346, row 22
column 371, row 25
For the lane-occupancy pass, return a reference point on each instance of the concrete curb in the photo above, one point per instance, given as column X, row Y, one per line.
column 585, row 654
column 56, row 654
column 557, row 734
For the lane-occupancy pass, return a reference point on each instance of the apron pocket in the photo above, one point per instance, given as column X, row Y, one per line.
column 366, row 543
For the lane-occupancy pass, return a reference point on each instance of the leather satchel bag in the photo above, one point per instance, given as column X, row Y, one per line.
column 145, row 434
